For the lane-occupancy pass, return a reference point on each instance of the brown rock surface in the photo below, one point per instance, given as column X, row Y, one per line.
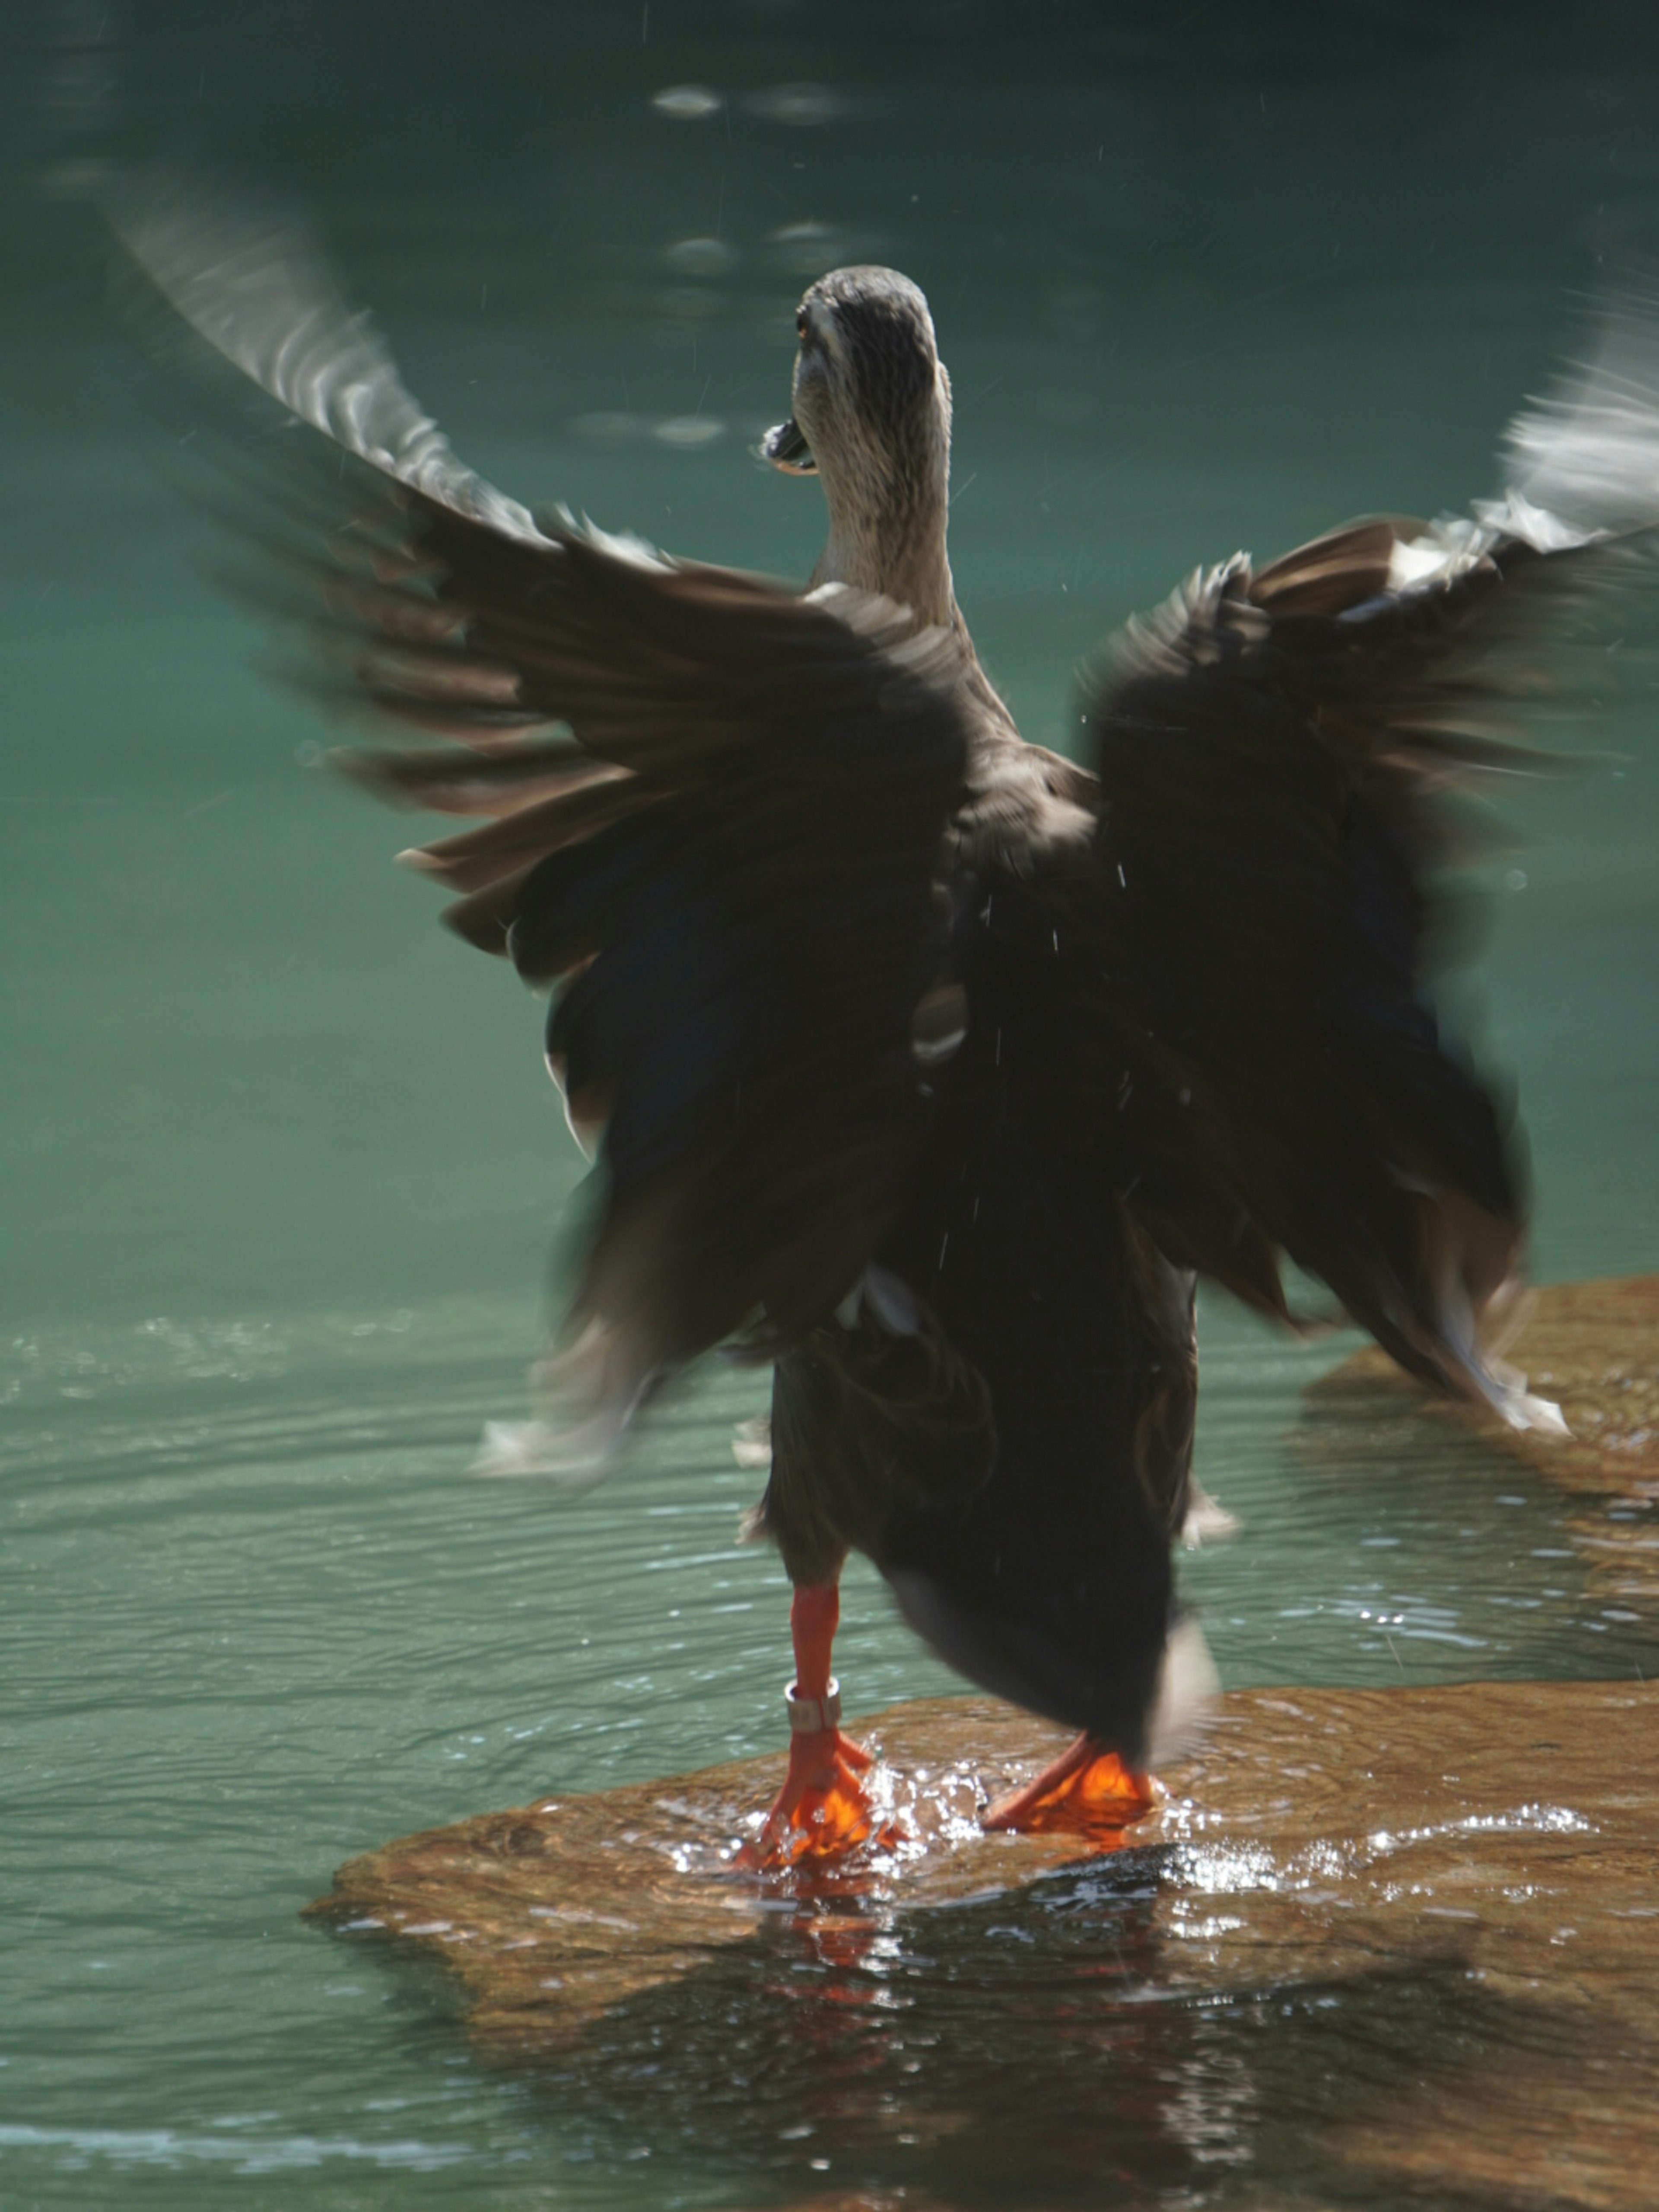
column 1383, row 1943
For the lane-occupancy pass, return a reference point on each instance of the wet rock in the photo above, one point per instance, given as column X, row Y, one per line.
column 1375, row 1942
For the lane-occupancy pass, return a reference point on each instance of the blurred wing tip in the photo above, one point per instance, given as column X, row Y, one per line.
column 1506, row 1393
column 254, row 290
column 1475, row 1348
column 751, row 1443
column 589, row 1394
column 625, row 545
column 1583, row 459
column 573, row 1459
column 1207, row 1520
column 1542, row 1414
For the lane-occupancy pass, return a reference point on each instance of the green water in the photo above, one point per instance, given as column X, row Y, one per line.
column 279, row 1168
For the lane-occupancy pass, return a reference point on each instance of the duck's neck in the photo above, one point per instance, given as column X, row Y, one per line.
column 887, row 530
column 909, row 567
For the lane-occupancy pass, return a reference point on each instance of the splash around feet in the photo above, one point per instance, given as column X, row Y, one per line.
column 822, row 1809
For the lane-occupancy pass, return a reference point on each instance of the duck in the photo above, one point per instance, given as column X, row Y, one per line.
column 930, row 1067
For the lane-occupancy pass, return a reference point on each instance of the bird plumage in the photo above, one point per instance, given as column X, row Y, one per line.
column 931, row 1066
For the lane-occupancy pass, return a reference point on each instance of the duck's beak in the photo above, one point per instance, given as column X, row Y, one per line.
column 787, row 449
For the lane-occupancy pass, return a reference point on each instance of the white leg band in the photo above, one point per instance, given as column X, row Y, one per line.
column 807, row 1716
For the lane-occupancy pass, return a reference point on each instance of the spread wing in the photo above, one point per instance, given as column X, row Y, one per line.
column 1285, row 757
column 707, row 810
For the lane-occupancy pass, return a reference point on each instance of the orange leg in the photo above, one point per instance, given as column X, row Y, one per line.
column 822, row 1806
column 1086, row 1791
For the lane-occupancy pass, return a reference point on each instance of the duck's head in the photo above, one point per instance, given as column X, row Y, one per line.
column 871, row 421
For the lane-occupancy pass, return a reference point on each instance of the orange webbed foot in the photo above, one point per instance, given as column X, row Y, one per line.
column 822, row 1807
column 1086, row 1791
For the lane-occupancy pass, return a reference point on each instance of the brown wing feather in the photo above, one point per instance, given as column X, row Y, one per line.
column 1276, row 751
column 715, row 807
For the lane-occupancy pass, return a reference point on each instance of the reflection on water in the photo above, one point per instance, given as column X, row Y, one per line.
column 278, row 1165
